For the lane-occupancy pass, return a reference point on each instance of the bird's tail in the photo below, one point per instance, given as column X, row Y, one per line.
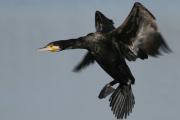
column 122, row 101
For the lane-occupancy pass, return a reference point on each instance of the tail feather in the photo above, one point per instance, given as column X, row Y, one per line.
column 116, row 103
column 120, row 109
column 113, row 98
column 122, row 101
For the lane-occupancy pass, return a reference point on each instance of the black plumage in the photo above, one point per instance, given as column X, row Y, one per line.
column 102, row 25
column 137, row 37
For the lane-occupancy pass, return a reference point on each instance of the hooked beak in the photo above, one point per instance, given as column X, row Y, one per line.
column 43, row 49
column 50, row 48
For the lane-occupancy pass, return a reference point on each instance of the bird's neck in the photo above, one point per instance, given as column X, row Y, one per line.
column 78, row 43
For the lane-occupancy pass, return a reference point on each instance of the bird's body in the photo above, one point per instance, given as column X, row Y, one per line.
column 108, row 57
column 137, row 37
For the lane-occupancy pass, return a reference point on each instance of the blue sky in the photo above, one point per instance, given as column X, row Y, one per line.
column 42, row 86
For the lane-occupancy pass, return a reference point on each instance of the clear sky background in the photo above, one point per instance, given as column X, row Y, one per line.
column 42, row 86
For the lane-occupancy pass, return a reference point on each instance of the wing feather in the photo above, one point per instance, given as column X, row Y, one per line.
column 87, row 60
column 139, row 33
column 103, row 25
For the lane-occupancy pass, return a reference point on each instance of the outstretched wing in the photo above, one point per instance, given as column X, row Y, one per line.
column 139, row 34
column 88, row 59
column 103, row 25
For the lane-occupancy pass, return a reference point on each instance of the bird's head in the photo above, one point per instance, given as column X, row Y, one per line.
column 60, row 45
column 52, row 47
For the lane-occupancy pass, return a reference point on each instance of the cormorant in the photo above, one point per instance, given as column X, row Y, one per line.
column 137, row 37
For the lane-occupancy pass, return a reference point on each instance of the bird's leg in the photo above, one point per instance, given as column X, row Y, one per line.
column 107, row 89
column 112, row 83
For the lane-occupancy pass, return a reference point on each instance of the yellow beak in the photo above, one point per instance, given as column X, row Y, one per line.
column 50, row 48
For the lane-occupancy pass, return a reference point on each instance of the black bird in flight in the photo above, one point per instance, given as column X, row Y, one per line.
column 137, row 37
